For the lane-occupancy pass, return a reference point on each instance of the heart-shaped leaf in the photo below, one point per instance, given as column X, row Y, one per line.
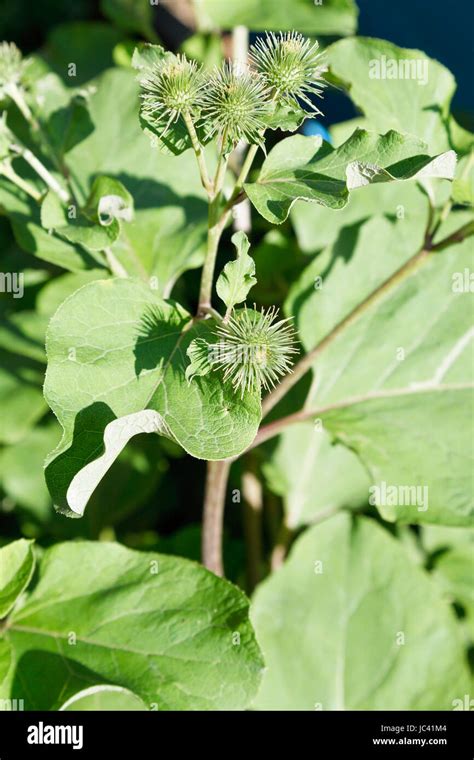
column 116, row 367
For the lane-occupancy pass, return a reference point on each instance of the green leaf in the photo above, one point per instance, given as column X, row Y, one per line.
column 204, row 48
column 5, row 662
column 21, row 400
column 389, row 434
column 162, row 627
column 17, row 563
column 116, row 367
column 305, row 468
column 23, row 333
column 399, row 368
column 463, row 185
column 97, row 226
column 22, row 471
column 330, row 17
column 306, row 168
column 132, row 15
column 109, row 201
column 89, row 45
column 200, row 363
column 103, row 697
column 57, row 290
column 286, row 118
column 359, row 173
column 25, row 219
column 63, row 113
column 238, row 276
column 317, row 227
column 386, row 620
column 395, row 88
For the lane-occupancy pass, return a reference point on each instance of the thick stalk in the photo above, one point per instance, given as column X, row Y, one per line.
column 213, row 517
column 215, row 229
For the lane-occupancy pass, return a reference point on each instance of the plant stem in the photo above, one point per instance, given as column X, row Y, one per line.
column 206, row 182
column 216, row 226
column 42, row 171
column 213, row 517
column 456, row 237
column 114, row 264
column 9, row 172
column 239, row 184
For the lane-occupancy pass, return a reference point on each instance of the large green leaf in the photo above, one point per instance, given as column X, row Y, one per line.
column 401, row 367
column 306, row 168
column 163, row 627
column 317, row 226
column 116, row 368
column 417, row 476
column 350, row 622
column 415, row 101
column 328, row 17
column 16, row 568
column 305, row 469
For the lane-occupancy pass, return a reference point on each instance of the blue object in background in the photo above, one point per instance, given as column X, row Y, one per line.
column 312, row 127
